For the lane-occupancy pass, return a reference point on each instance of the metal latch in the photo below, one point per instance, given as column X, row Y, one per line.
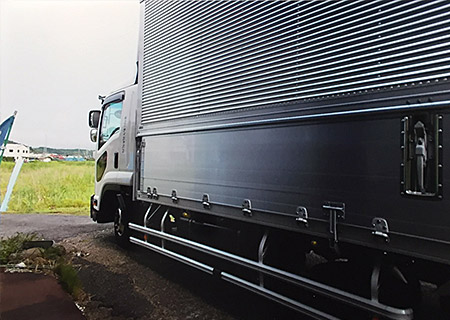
column 420, row 135
column 155, row 194
column 247, row 207
column 302, row 216
column 381, row 228
column 335, row 210
column 421, row 155
column 205, row 201
column 174, row 196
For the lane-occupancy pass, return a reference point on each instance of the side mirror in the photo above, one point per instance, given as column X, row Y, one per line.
column 94, row 133
column 94, row 117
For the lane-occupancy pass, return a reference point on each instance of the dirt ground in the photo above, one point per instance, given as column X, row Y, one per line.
column 138, row 284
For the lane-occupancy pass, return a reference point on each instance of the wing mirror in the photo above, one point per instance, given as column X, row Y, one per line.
column 94, row 117
column 94, row 133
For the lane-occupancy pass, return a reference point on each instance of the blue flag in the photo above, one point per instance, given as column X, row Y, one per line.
column 5, row 129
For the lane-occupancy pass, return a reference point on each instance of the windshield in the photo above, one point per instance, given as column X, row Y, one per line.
column 110, row 121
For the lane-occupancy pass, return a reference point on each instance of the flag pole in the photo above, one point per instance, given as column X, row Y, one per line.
column 4, row 137
column 12, row 182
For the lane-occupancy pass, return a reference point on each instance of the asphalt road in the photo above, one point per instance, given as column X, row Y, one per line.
column 50, row 227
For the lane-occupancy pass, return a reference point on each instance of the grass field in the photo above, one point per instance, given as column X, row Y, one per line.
column 53, row 187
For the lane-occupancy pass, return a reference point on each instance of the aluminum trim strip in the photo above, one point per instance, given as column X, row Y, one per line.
column 309, row 117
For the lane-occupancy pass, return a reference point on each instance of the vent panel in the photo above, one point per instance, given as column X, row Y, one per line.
column 203, row 58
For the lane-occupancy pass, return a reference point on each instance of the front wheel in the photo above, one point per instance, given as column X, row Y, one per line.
column 121, row 230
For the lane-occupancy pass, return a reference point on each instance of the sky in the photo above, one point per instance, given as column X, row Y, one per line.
column 56, row 58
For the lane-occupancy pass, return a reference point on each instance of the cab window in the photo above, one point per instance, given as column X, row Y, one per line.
column 110, row 122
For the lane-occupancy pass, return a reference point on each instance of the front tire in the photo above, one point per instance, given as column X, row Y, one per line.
column 121, row 229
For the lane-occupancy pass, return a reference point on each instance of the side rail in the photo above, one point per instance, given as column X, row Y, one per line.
column 369, row 305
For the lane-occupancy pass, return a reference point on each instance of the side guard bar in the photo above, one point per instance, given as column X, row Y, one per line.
column 313, row 286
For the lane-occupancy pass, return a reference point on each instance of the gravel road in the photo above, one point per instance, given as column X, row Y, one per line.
column 138, row 284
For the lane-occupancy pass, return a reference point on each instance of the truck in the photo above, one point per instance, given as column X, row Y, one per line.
column 294, row 148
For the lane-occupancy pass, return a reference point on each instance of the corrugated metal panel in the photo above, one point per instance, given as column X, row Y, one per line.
column 204, row 57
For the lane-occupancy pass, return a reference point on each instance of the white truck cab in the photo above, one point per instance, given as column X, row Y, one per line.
column 113, row 131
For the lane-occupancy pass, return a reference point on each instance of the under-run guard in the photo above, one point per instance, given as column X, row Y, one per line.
column 370, row 305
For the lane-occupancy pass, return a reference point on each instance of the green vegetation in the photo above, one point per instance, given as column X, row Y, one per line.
column 53, row 258
column 50, row 187
column 54, row 253
column 68, row 277
column 13, row 245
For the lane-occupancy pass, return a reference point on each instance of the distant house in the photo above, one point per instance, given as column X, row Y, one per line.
column 16, row 150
